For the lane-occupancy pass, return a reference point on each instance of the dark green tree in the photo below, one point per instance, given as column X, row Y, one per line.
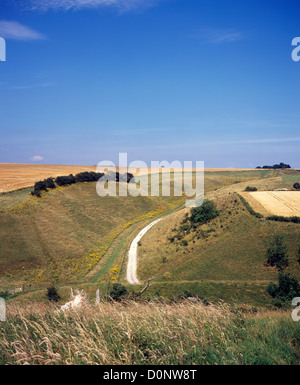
column 39, row 187
column 296, row 186
column 65, row 180
column 52, row 294
column 277, row 253
column 204, row 213
column 50, row 183
column 118, row 292
column 288, row 288
column 88, row 176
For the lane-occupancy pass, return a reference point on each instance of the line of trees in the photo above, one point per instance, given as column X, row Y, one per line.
column 275, row 166
column 85, row 176
column 117, row 177
column 249, row 208
column 280, row 218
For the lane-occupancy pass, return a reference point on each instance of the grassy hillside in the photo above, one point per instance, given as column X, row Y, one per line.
column 71, row 235
column 14, row 198
column 224, row 258
column 147, row 333
column 65, row 233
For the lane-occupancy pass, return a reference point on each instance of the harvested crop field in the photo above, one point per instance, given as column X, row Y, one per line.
column 285, row 203
column 14, row 176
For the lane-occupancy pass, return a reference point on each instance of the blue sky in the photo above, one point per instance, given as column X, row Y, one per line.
column 209, row 80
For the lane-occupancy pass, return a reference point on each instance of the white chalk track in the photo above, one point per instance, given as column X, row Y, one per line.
column 132, row 254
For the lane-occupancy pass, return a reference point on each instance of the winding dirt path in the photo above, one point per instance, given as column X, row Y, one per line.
column 132, row 254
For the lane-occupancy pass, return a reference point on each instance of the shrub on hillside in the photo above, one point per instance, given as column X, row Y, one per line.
column 112, row 176
column 50, row 183
column 296, row 186
column 43, row 185
column 277, row 253
column 280, row 218
column 288, row 288
column 248, row 188
column 129, row 177
column 88, row 176
column 126, row 177
column 52, row 294
column 118, row 292
column 115, row 176
column 204, row 213
column 38, row 188
column 65, row 180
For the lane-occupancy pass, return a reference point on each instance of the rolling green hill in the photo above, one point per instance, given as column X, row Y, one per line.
column 65, row 233
column 71, row 236
column 224, row 258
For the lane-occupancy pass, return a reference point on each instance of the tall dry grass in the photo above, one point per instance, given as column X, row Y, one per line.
column 141, row 333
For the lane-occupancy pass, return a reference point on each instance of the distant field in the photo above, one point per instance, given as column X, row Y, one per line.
column 15, row 176
column 286, row 203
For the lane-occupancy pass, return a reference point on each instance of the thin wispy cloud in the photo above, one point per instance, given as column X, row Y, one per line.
column 65, row 5
column 30, row 86
column 141, row 131
column 199, row 143
column 218, row 36
column 266, row 140
column 16, row 31
column 37, row 158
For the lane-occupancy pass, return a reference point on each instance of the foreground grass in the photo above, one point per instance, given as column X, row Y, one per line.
column 147, row 333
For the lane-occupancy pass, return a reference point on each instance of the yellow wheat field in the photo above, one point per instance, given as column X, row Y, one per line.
column 14, row 176
column 285, row 203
